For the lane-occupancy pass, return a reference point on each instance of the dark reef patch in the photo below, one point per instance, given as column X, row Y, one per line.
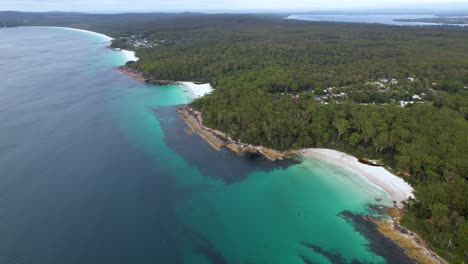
column 212, row 163
column 333, row 257
column 306, row 260
column 378, row 243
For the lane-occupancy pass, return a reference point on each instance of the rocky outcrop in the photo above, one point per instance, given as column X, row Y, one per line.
column 220, row 140
column 138, row 75
column 411, row 243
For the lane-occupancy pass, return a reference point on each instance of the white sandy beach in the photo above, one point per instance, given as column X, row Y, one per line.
column 395, row 187
column 102, row 36
column 198, row 90
column 128, row 55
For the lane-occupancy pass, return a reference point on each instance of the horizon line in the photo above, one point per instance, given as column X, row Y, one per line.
column 259, row 11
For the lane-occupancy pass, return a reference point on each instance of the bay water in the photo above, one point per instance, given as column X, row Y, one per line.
column 95, row 167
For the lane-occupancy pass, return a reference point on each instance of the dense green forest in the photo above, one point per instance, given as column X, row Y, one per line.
column 270, row 73
column 290, row 84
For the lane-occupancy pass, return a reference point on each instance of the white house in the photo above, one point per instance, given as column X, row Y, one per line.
column 405, row 103
column 379, row 84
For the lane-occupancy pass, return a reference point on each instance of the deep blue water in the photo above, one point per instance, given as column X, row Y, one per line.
column 95, row 167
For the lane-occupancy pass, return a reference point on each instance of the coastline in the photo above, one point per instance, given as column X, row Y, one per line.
column 371, row 172
column 198, row 89
column 127, row 54
column 233, row 147
column 375, row 175
column 395, row 187
column 102, row 36
column 219, row 140
column 413, row 246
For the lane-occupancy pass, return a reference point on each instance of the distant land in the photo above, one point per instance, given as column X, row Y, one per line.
column 443, row 20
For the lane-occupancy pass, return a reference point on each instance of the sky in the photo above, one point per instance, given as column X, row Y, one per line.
column 200, row 5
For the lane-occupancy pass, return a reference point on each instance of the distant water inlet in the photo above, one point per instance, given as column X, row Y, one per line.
column 368, row 19
column 96, row 168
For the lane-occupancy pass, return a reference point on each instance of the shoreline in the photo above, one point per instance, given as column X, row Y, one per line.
column 129, row 55
column 410, row 242
column 195, row 122
column 377, row 176
column 219, row 140
column 395, row 187
column 370, row 171
column 102, row 36
column 198, row 89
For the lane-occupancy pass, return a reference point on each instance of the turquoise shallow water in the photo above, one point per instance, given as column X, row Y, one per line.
column 96, row 168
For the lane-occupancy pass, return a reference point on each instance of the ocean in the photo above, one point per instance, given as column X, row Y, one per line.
column 95, row 167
